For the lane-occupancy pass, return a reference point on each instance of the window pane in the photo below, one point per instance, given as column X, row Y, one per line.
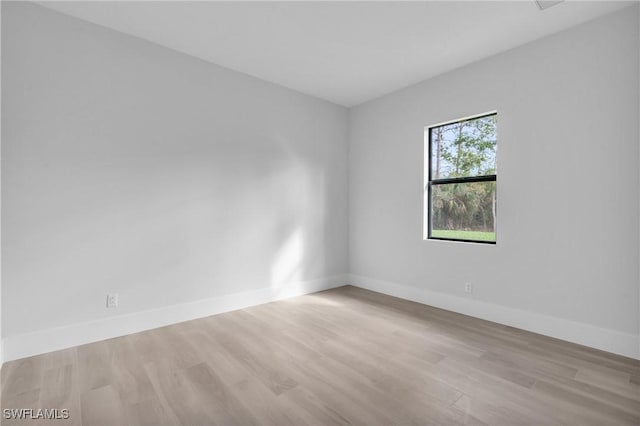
column 463, row 149
column 464, row 211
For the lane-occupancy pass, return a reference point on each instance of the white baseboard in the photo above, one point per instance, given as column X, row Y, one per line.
column 584, row 334
column 23, row 345
column 53, row 339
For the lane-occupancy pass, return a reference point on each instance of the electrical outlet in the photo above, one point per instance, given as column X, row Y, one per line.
column 468, row 288
column 112, row 300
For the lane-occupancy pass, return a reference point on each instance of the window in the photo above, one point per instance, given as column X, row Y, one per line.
column 460, row 180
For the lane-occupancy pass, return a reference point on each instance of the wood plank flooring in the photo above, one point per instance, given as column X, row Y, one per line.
column 343, row 356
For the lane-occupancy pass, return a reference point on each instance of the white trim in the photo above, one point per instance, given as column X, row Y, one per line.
column 614, row 341
column 23, row 345
column 53, row 339
column 470, row 117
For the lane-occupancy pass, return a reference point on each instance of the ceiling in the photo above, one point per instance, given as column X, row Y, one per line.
column 344, row 52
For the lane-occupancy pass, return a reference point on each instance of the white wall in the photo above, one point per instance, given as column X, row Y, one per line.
column 566, row 261
column 190, row 189
column 1, row 343
column 131, row 168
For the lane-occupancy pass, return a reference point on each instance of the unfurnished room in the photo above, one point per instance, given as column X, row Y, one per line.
column 320, row 213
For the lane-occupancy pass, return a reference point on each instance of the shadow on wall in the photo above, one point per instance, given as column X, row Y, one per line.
column 288, row 262
column 303, row 244
column 225, row 218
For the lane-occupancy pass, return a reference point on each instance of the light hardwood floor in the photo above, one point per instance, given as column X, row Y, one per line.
column 343, row 356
